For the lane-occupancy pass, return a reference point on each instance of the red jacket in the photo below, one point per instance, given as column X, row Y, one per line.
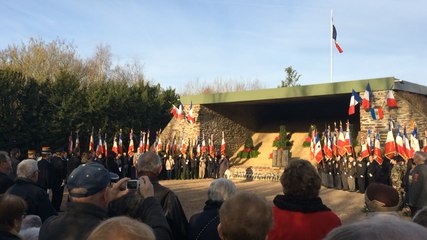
column 301, row 219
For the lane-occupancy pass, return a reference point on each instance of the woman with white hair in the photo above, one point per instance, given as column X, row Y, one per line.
column 203, row 225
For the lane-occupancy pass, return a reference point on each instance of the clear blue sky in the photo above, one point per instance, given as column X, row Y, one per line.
column 184, row 40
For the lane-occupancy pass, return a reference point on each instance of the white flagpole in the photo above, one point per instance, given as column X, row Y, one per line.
column 330, row 39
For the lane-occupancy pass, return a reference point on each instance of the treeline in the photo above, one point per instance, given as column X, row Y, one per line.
column 41, row 104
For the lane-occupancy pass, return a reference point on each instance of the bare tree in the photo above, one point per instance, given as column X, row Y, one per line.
column 219, row 85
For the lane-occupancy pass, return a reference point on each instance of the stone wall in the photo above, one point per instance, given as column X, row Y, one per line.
column 208, row 122
column 410, row 108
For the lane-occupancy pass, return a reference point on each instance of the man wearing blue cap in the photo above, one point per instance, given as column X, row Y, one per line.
column 89, row 192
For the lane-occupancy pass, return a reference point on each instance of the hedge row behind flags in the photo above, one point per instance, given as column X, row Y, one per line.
column 368, row 97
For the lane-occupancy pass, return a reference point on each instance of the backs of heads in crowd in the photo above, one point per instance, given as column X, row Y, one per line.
column 300, row 179
column 149, row 162
column 420, row 157
column 26, row 168
column 122, row 228
column 221, row 189
column 245, row 216
column 382, row 198
column 11, row 208
column 379, row 227
column 31, row 221
column 4, row 157
column 88, row 179
column 421, row 217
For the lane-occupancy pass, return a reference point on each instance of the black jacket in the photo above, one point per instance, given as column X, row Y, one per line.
column 77, row 222
column 146, row 210
column 45, row 170
column 5, row 235
column 172, row 209
column 5, row 182
column 204, row 225
column 36, row 197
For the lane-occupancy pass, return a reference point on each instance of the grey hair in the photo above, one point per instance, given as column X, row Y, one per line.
column 379, row 227
column 27, row 168
column 421, row 155
column 30, row 233
column 421, row 217
column 31, row 221
column 221, row 189
column 4, row 156
column 149, row 162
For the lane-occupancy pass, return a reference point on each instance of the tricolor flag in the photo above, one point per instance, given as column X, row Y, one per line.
column 390, row 145
column 334, row 141
column 313, row 144
column 415, row 143
column 100, row 147
column 174, row 147
column 425, row 141
column 366, row 146
column 190, row 118
column 367, row 98
column 347, row 142
column 377, row 113
column 141, row 146
column 91, row 143
column 120, row 143
column 174, row 111
column 77, row 145
column 391, row 101
column 159, row 145
column 318, row 150
column 377, row 149
column 341, row 143
column 203, row 144
column 407, row 143
column 327, row 146
column 180, row 112
column 183, row 146
column 223, row 144
column 334, row 37
column 211, row 146
column 147, row 145
column 354, row 100
column 105, row 146
column 70, row 143
column 198, row 148
column 400, row 145
column 115, row 147
column 168, row 147
column 131, row 147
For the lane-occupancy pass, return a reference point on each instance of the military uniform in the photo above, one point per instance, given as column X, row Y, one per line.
column 351, row 178
column 344, row 173
column 361, row 174
column 337, row 174
column 330, row 172
column 372, row 171
column 396, row 175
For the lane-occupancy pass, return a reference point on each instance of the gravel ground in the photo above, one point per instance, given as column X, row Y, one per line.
column 193, row 194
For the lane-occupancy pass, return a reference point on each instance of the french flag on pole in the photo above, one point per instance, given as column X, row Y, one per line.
column 354, row 100
column 391, row 101
column 367, row 98
column 334, row 36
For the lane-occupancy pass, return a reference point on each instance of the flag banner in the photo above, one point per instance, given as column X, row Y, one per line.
column 425, row 141
column 70, row 143
column 347, row 141
column 174, row 111
column 190, row 117
column 377, row 150
column 400, row 145
column 377, row 113
column 334, row 36
column 120, row 143
column 77, row 145
column 415, row 143
column 318, row 150
column 354, row 100
column 390, row 145
column 407, row 144
column 131, row 147
column 180, row 112
column 203, row 145
column 391, row 101
column 365, row 150
column 223, row 144
column 147, row 144
column 341, row 143
column 91, row 143
column 141, row 146
column 366, row 101
column 115, row 147
column 105, row 146
column 100, row 147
